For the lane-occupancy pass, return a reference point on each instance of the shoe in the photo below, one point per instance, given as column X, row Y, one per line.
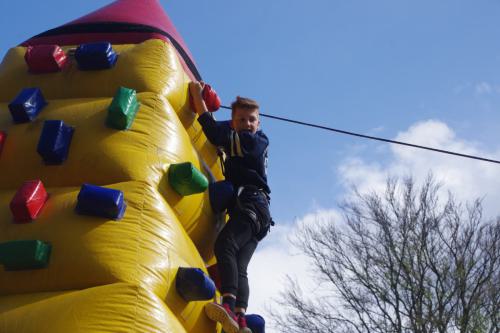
column 242, row 323
column 224, row 315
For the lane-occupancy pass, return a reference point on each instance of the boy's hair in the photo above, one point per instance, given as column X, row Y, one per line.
column 243, row 103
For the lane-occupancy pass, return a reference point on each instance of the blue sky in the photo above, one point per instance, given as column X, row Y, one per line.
column 427, row 71
column 370, row 66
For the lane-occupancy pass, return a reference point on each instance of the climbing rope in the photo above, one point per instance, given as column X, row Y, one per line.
column 443, row 151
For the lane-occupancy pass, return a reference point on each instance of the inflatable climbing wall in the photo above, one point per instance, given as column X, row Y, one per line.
column 105, row 221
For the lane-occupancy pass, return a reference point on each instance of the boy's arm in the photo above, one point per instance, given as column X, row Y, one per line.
column 254, row 144
column 217, row 133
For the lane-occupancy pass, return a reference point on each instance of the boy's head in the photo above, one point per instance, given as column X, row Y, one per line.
column 245, row 114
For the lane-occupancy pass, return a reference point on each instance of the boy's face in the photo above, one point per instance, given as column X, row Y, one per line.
column 246, row 120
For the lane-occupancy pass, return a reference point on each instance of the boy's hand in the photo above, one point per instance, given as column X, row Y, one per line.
column 196, row 88
column 196, row 97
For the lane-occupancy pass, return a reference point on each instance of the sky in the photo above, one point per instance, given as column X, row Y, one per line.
column 426, row 72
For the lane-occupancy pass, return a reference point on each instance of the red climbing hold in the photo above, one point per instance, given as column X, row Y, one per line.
column 28, row 201
column 211, row 99
column 3, row 136
column 45, row 58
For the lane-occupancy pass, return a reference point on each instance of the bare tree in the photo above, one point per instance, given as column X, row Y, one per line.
column 403, row 261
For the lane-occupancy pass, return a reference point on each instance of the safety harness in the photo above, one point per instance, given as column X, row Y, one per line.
column 263, row 227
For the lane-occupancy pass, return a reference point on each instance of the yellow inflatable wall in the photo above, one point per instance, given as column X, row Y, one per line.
column 106, row 275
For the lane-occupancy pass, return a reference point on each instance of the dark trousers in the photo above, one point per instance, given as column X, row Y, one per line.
column 234, row 248
column 249, row 222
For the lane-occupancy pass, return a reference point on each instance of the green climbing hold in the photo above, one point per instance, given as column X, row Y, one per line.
column 185, row 179
column 123, row 108
column 24, row 254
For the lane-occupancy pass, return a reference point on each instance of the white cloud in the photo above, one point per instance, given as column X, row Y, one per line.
column 483, row 88
column 477, row 88
column 377, row 129
column 467, row 179
column 486, row 88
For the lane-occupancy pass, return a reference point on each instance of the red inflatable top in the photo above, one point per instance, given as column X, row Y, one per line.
column 121, row 22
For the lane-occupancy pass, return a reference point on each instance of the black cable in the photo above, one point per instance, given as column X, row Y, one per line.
column 376, row 138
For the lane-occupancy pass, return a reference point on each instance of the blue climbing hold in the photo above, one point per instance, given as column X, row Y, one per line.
column 95, row 56
column 27, row 105
column 193, row 284
column 54, row 141
column 221, row 195
column 100, row 201
column 256, row 323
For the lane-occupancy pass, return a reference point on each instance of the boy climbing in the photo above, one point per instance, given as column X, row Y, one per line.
column 249, row 218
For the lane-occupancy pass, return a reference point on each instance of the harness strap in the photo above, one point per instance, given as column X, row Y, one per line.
column 235, row 145
column 222, row 159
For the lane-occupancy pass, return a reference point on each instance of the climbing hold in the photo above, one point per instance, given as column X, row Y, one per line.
column 256, row 323
column 54, row 141
column 193, row 284
column 95, row 56
column 221, row 195
column 101, row 201
column 45, row 58
column 28, row 201
column 3, row 137
column 185, row 179
column 27, row 105
column 123, row 108
column 210, row 97
column 24, row 254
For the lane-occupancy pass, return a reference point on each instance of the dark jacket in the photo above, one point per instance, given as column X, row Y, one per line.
column 246, row 152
